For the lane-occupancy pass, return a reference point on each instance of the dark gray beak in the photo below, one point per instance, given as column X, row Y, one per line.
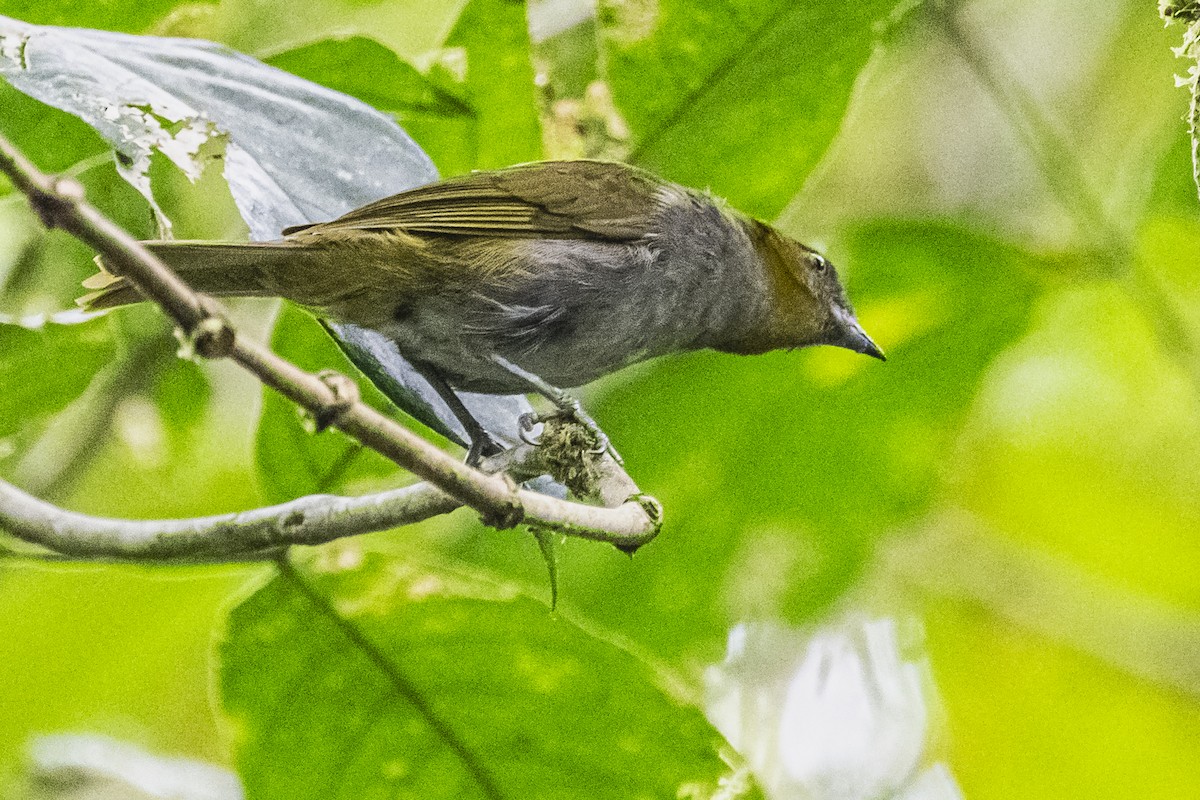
column 851, row 336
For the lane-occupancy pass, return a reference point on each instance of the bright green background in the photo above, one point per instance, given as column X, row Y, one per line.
column 1043, row 415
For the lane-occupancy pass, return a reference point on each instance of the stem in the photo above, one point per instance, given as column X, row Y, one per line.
column 311, row 520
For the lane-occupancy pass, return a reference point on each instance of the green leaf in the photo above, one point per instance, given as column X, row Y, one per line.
column 387, row 680
column 46, row 279
column 293, row 460
column 408, row 27
column 504, row 129
column 46, row 275
column 744, row 96
column 367, row 70
column 43, row 369
column 128, row 17
column 569, row 57
column 53, row 139
column 1117, row 159
column 182, row 394
column 1174, row 189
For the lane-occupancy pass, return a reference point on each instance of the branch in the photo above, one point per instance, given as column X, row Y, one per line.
column 332, row 400
column 227, row 537
column 311, row 520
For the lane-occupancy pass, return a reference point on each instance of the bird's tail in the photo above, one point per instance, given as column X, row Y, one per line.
column 217, row 268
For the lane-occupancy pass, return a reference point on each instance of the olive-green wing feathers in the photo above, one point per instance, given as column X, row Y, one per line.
column 556, row 200
column 566, row 199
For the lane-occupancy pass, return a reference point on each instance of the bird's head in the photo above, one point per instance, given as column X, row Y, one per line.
column 807, row 304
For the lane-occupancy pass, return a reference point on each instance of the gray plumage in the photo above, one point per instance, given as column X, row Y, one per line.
column 570, row 270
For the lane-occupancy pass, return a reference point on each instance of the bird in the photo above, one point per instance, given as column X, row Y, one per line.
column 538, row 277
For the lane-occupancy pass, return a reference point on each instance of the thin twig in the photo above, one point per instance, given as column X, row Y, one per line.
column 310, row 520
column 331, row 399
column 225, row 537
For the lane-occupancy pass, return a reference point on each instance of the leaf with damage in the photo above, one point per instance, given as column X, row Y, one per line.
column 197, row 102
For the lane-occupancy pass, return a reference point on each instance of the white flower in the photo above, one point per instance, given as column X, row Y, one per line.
column 97, row 766
column 836, row 714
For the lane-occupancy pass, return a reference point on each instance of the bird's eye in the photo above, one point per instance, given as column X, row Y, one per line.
column 819, row 263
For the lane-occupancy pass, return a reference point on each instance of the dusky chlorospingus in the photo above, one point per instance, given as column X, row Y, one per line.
column 535, row 277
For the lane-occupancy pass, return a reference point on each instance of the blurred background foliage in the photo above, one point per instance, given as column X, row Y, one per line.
column 1005, row 185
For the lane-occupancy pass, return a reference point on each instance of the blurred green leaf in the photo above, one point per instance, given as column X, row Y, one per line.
column 493, row 37
column 1170, row 250
column 182, row 394
column 743, row 97
column 292, row 460
column 47, row 280
column 46, row 276
column 69, row 635
column 109, row 16
column 44, row 369
column 1019, row 706
column 570, row 58
column 1118, row 155
column 65, row 448
column 388, row 680
column 374, row 74
column 408, row 27
column 1174, row 190
column 53, row 139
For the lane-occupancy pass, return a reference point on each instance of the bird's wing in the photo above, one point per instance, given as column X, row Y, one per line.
column 564, row 199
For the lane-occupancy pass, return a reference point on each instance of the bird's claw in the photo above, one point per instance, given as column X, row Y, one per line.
column 602, row 443
column 525, row 426
column 567, row 405
column 526, row 423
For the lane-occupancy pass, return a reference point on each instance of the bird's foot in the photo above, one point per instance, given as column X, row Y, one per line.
column 567, row 406
column 482, row 446
column 570, row 408
column 600, row 441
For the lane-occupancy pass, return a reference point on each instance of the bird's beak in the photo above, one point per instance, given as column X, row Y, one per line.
column 852, row 337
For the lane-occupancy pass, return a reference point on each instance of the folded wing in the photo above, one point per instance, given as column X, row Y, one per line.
column 564, row 200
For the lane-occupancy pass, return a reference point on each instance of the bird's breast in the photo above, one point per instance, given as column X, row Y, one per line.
column 574, row 310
